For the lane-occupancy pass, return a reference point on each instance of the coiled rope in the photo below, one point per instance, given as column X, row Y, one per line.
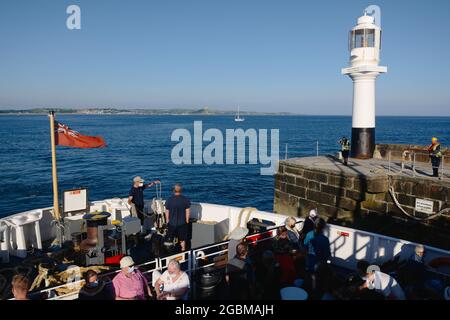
column 397, row 203
column 249, row 210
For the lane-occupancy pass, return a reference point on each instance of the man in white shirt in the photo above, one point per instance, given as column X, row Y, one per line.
column 173, row 284
column 379, row 281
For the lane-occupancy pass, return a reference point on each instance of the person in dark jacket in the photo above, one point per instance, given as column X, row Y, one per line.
column 136, row 197
column 282, row 244
column 436, row 155
column 345, row 149
column 94, row 288
column 268, row 277
column 283, row 250
column 178, row 211
column 240, row 275
column 308, row 224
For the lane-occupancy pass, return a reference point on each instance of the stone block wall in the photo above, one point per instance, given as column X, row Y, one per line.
column 364, row 202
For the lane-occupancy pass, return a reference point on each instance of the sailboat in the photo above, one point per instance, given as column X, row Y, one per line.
column 237, row 118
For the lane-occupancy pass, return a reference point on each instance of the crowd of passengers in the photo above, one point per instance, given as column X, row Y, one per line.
column 295, row 257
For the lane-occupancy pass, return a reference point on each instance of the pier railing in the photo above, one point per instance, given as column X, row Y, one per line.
column 313, row 149
column 409, row 158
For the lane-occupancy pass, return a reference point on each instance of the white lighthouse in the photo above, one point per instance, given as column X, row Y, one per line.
column 364, row 46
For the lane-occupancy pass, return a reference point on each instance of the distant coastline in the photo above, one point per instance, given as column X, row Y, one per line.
column 115, row 111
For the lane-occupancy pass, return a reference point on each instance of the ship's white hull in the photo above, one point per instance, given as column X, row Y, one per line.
column 347, row 245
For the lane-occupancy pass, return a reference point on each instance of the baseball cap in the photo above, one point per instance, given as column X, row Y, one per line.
column 138, row 179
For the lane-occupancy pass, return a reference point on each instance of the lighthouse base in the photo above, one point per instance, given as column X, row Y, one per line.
column 363, row 143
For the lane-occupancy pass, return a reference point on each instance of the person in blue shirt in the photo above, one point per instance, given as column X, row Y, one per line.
column 177, row 216
column 136, row 196
column 318, row 245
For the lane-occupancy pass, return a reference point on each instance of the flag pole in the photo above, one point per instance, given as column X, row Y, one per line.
column 56, row 214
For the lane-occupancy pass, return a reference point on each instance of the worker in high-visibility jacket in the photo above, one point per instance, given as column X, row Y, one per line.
column 345, row 149
column 435, row 155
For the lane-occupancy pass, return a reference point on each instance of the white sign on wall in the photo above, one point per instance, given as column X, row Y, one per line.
column 425, row 206
column 75, row 200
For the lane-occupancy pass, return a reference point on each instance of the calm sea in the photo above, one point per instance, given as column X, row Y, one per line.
column 141, row 145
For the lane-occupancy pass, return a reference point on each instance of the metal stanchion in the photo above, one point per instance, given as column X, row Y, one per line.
column 317, row 148
column 389, row 161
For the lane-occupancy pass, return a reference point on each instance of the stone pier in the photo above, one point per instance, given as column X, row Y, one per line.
column 358, row 196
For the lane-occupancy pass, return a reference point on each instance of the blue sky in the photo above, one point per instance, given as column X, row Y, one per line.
column 266, row 55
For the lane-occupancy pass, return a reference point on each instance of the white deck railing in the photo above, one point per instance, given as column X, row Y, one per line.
column 348, row 245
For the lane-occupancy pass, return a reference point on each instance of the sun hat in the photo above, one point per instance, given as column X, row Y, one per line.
column 126, row 261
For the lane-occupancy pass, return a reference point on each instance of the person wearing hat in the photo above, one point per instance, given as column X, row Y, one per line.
column 379, row 281
column 136, row 196
column 130, row 283
column 308, row 224
column 237, row 236
column 434, row 150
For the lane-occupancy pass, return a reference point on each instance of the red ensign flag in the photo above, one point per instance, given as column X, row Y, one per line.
column 64, row 136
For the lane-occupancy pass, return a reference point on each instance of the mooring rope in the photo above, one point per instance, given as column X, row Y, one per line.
column 397, row 203
column 249, row 210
